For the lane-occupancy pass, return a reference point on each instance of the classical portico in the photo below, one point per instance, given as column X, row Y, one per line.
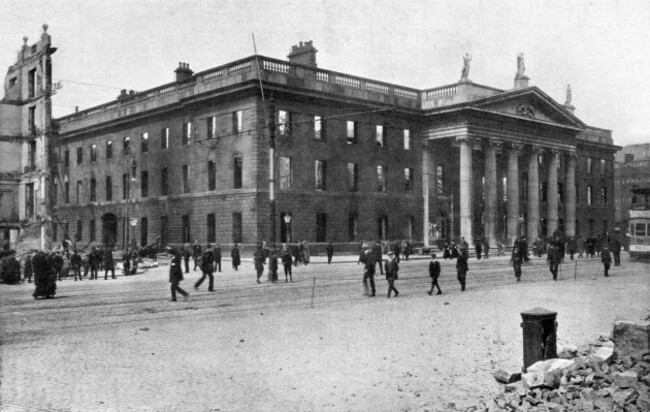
column 514, row 155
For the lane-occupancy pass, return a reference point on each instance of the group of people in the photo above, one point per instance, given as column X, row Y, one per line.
column 208, row 259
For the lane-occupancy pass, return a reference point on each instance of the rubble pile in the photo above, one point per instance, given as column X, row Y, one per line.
column 604, row 376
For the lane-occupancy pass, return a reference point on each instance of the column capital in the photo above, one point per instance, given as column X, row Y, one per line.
column 467, row 139
column 534, row 149
column 571, row 155
column 492, row 142
column 518, row 148
column 554, row 152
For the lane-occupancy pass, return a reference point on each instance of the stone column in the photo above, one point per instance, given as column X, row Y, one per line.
column 551, row 193
column 491, row 191
column 425, row 193
column 466, row 189
column 533, row 195
column 513, row 192
column 570, row 191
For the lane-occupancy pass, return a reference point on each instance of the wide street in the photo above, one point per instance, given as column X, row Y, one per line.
column 315, row 344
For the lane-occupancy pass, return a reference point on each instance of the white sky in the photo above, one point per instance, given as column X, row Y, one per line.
column 599, row 47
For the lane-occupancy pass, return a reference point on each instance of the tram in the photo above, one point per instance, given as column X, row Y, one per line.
column 639, row 224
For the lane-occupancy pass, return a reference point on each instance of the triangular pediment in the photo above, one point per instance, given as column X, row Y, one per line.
column 530, row 103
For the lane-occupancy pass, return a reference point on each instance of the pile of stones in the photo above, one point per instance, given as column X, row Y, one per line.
column 612, row 374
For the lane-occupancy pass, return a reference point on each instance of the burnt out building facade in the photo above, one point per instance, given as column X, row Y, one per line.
column 353, row 159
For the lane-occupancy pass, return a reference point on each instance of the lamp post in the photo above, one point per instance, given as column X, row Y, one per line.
column 287, row 221
column 128, row 222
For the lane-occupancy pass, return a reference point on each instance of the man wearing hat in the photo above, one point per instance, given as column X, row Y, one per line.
column 434, row 272
column 606, row 258
column 176, row 274
column 391, row 268
column 553, row 258
column 367, row 258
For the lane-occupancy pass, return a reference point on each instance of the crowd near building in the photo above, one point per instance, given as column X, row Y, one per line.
column 259, row 146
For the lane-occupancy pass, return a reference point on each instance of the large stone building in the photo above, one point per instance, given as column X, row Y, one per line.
column 354, row 159
column 632, row 169
column 25, row 113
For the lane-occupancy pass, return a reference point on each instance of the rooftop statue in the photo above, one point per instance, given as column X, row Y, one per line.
column 520, row 66
column 464, row 74
column 569, row 95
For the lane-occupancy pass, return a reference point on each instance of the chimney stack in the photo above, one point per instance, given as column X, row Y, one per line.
column 304, row 53
column 183, row 72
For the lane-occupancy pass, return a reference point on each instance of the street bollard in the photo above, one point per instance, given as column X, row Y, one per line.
column 539, row 330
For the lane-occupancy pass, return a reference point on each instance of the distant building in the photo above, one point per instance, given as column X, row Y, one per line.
column 632, row 169
column 355, row 159
column 25, row 114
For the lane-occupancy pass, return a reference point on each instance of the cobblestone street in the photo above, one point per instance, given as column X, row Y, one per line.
column 316, row 344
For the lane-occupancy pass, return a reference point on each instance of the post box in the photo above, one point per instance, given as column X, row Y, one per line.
column 540, row 339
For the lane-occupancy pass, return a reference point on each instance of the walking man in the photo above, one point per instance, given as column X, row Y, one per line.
column 235, row 256
column 462, row 266
column 258, row 259
column 217, row 258
column 93, row 263
column 434, row 273
column 516, row 260
column 553, row 258
column 330, row 252
column 109, row 263
column 207, row 267
column 176, row 275
column 391, row 269
column 286, row 262
column 196, row 252
column 606, row 258
column 616, row 250
column 369, row 273
column 75, row 263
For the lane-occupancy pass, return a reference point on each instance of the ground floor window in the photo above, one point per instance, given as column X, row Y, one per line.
column 164, row 230
column 92, row 230
column 353, row 227
column 186, row 229
column 321, row 227
column 144, row 231
column 212, row 228
column 382, row 227
column 236, row 227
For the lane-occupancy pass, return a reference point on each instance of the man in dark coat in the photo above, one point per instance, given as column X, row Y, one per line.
column 235, row 256
column 207, row 267
column 516, row 260
column 126, row 262
column 330, row 252
column 478, row 246
column 286, row 262
column 258, row 260
column 462, row 266
column 109, row 263
column 391, row 269
column 217, row 258
column 75, row 265
column 196, row 252
column 606, row 258
column 57, row 264
column 615, row 246
column 176, row 275
column 368, row 261
column 434, row 273
column 553, row 258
